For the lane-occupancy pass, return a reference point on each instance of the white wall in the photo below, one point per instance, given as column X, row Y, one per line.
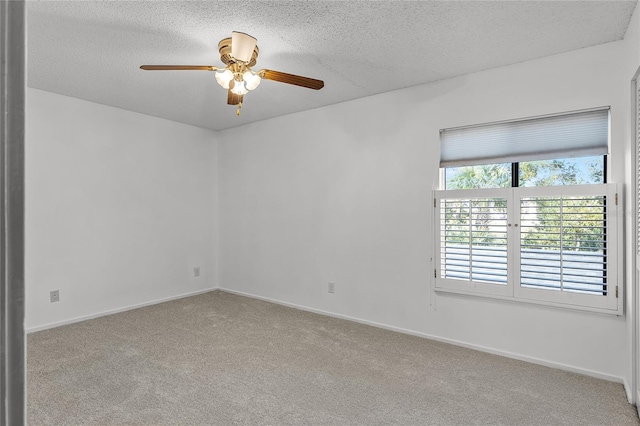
column 120, row 207
column 343, row 194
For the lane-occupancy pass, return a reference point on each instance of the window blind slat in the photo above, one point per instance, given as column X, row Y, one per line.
column 577, row 134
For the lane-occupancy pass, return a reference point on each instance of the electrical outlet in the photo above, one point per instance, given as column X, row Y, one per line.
column 332, row 288
column 196, row 271
column 54, row 296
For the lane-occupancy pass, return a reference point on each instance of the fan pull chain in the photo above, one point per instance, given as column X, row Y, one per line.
column 239, row 106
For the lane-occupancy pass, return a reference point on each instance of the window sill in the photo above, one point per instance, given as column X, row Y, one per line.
column 463, row 293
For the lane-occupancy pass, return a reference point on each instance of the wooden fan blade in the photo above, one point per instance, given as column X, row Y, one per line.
column 297, row 80
column 178, row 67
column 233, row 99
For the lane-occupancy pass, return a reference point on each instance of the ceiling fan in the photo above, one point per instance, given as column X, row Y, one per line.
column 239, row 53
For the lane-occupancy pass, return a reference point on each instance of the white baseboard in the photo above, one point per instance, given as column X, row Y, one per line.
column 520, row 357
column 629, row 391
column 117, row 310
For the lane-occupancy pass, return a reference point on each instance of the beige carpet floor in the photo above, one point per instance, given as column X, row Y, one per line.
column 222, row 359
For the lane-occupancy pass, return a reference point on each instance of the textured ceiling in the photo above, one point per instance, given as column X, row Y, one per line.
column 92, row 49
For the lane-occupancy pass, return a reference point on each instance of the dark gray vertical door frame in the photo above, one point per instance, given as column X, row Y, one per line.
column 12, row 123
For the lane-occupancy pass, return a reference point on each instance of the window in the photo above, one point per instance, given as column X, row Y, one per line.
column 542, row 228
column 560, row 171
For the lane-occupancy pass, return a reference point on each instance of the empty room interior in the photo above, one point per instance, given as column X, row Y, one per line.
column 377, row 212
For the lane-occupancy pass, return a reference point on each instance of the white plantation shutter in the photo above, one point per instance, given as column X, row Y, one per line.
column 554, row 245
column 474, row 239
column 575, row 134
column 563, row 243
column 472, row 234
column 567, row 246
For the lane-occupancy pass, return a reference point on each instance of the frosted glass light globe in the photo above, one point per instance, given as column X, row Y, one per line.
column 224, row 78
column 239, row 88
column 251, row 80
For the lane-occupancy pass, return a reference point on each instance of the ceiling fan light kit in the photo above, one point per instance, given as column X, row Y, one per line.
column 239, row 53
